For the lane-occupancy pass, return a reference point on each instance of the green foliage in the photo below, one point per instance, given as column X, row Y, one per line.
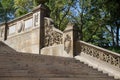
column 98, row 21
column 23, row 7
column 37, row 2
column 6, row 10
column 114, row 49
column 60, row 10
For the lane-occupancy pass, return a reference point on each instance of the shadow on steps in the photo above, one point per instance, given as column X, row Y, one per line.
column 4, row 48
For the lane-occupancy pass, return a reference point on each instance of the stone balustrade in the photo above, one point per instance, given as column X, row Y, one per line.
column 101, row 54
column 105, row 60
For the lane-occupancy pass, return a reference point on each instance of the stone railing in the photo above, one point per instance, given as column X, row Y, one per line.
column 53, row 40
column 101, row 54
column 100, row 58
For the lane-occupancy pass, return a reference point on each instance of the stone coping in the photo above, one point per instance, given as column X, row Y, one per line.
column 17, row 19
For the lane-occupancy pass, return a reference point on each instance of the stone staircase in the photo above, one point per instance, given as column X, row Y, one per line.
column 20, row 66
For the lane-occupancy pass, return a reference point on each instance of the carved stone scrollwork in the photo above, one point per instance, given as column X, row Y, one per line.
column 115, row 61
column 99, row 54
column 48, row 37
column 67, row 43
column 36, row 20
column 57, row 37
column 52, row 37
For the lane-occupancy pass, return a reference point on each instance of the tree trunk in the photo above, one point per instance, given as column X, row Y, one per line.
column 117, row 36
column 6, row 31
column 112, row 34
column 82, row 23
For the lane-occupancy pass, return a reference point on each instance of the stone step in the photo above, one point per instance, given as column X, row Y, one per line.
column 46, row 71
column 59, row 78
column 26, row 66
column 55, row 67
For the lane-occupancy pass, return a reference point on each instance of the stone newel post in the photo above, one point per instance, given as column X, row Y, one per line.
column 38, row 21
column 70, row 38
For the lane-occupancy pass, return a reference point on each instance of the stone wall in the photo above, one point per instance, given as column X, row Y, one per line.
column 35, row 33
column 23, row 33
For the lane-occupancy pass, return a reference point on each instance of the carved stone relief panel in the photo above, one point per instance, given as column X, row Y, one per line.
column 20, row 26
column 52, row 37
column 48, row 37
column 67, row 43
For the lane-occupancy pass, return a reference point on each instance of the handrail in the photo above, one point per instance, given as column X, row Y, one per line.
column 100, row 53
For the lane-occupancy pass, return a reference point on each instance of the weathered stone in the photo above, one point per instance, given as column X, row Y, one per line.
column 36, row 33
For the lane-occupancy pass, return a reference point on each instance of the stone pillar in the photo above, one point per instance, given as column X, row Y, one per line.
column 70, row 37
column 38, row 21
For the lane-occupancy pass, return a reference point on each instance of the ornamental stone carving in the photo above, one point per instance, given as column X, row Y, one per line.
column 36, row 19
column 67, row 43
column 20, row 26
column 52, row 37
column 101, row 55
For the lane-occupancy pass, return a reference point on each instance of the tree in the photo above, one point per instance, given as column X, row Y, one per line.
column 78, row 16
column 60, row 10
column 114, row 11
column 92, row 18
column 6, row 10
column 37, row 2
column 23, row 7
